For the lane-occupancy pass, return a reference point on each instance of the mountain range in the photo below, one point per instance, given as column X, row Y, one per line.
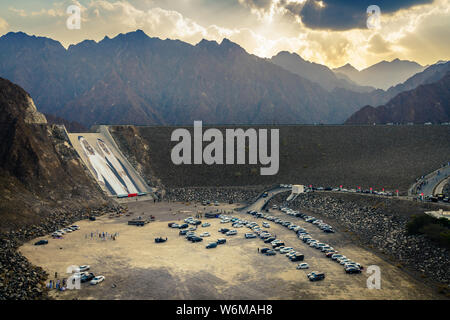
column 426, row 103
column 382, row 75
column 136, row 79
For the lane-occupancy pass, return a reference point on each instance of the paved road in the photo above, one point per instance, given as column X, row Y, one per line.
column 259, row 204
column 431, row 181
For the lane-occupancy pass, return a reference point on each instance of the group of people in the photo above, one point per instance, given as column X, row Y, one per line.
column 57, row 284
column 102, row 235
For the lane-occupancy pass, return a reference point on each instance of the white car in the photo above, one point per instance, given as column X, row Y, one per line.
column 204, row 234
column 266, row 225
column 98, row 279
column 84, row 268
column 303, row 265
column 286, row 250
column 231, row 233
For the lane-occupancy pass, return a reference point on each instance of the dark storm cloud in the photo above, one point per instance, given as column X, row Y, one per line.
column 346, row 14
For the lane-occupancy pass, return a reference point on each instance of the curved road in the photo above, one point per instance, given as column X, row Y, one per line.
column 260, row 202
column 433, row 181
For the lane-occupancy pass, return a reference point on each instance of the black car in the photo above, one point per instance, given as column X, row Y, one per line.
column 92, row 218
column 41, row 242
column 183, row 226
column 268, row 240
column 196, row 239
column 297, row 257
column 223, row 230
column 211, row 245
column 87, row 277
column 264, row 250
column 316, row 276
column 221, row 241
column 160, row 240
column 270, row 253
column 352, row 270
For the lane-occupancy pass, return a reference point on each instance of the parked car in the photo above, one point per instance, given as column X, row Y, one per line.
column 87, row 277
column 270, row 253
column 286, row 249
column 316, row 276
column 205, row 234
column 264, row 250
column 41, row 242
column 297, row 257
column 211, row 245
column 84, row 268
column 97, row 280
column 270, row 239
column 231, row 233
column 221, row 241
column 206, row 224
column 223, row 230
column 183, row 232
column 303, row 265
column 196, row 239
column 250, row 235
column 352, row 269
column 160, row 240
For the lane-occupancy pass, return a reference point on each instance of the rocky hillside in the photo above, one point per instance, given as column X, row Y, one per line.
column 135, row 79
column 40, row 173
column 426, row 103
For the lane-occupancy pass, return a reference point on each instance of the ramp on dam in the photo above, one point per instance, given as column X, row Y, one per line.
column 115, row 175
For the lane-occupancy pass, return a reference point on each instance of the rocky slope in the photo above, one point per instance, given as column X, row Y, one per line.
column 40, row 172
column 426, row 103
column 381, row 224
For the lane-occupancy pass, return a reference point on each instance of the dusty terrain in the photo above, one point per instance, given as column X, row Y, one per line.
column 177, row 269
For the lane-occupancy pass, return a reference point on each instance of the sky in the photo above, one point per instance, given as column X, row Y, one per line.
column 330, row 32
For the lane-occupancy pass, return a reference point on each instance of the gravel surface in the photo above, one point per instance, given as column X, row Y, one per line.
column 379, row 227
column 19, row 279
column 225, row 195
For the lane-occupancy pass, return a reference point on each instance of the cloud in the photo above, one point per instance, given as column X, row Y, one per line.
column 4, row 26
column 328, row 14
column 415, row 33
column 379, row 45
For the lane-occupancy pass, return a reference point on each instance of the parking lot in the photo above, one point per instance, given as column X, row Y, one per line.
column 135, row 267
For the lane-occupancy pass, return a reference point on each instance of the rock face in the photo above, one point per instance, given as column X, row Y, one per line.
column 39, row 170
column 17, row 104
column 426, row 103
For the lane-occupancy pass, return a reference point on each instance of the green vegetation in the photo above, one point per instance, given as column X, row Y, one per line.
column 436, row 229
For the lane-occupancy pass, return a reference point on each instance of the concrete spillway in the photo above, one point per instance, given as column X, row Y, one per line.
column 107, row 164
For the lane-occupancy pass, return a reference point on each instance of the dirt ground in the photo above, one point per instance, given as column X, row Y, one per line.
column 136, row 267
